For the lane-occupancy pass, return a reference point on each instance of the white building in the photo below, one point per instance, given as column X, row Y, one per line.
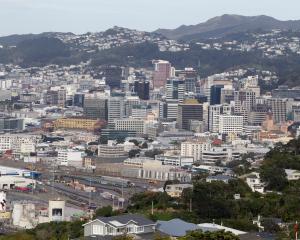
column 130, row 124
column 220, row 154
column 175, row 160
column 153, row 170
column 292, row 174
column 231, row 124
column 194, row 149
column 15, row 141
column 255, row 183
column 70, row 158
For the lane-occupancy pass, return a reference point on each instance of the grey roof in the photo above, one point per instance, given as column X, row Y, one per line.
column 176, row 227
column 124, row 219
column 220, row 177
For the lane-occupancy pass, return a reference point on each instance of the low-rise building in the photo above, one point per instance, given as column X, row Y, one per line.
column 119, row 225
column 70, row 158
column 77, row 123
column 255, row 183
column 175, row 190
column 292, row 174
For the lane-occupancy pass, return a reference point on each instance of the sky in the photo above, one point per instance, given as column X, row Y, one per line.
column 80, row 16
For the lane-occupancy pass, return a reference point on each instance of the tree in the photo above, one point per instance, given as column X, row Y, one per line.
column 199, row 235
column 133, row 153
column 123, row 237
column 274, row 177
column 104, row 212
column 144, row 145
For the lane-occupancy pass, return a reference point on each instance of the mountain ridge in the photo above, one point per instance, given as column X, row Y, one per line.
column 221, row 26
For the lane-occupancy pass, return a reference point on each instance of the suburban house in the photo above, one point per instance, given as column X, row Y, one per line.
column 255, row 183
column 118, row 225
column 292, row 174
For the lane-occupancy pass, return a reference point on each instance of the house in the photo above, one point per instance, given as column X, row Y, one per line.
column 118, row 225
column 292, row 174
column 222, row 178
column 175, row 190
column 176, row 227
column 255, row 183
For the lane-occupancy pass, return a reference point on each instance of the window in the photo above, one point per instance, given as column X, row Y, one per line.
column 139, row 229
column 97, row 229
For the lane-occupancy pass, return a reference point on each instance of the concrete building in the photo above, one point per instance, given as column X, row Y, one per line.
column 70, row 158
column 153, row 170
column 9, row 124
column 194, row 149
column 220, row 155
column 231, row 124
column 187, row 111
column 130, row 124
column 162, row 72
column 95, row 107
column 111, row 150
column 175, row 160
column 76, row 123
column 214, row 113
column 116, row 110
column 279, row 109
column 175, row 89
column 14, row 141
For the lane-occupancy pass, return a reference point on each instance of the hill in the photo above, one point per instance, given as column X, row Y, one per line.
column 227, row 24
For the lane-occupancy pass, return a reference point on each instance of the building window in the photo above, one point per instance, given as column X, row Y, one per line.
column 139, row 229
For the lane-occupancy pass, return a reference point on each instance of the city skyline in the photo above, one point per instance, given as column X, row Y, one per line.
column 32, row 16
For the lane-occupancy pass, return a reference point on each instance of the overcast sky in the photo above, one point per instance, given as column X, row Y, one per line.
column 79, row 16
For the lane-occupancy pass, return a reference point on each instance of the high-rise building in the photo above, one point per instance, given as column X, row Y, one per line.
column 279, row 109
column 189, row 75
column 187, row 111
column 175, row 89
column 214, row 113
column 162, row 72
column 116, row 110
column 215, row 94
column 55, row 97
column 78, row 99
column 142, row 88
column 95, row 107
column 231, row 124
column 112, row 75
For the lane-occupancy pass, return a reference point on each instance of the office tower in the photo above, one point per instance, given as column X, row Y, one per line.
column 116, row 110
column 227, row 95
column 113, row 76
column 168, row 109
column 244, row 99
column 162, row 72
column 215, row 94
column 214, row 113
column 78, row 99
column 258, row 114
column 189, row 75
column 8, row 124
column 130, row 101
column 231, row 124
column 284, row 91
column 5, row 95
column 55, row 97
column 175, row 89
column 95, row 107
column 187, row 111
column 142, row 88
column 279, row 109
